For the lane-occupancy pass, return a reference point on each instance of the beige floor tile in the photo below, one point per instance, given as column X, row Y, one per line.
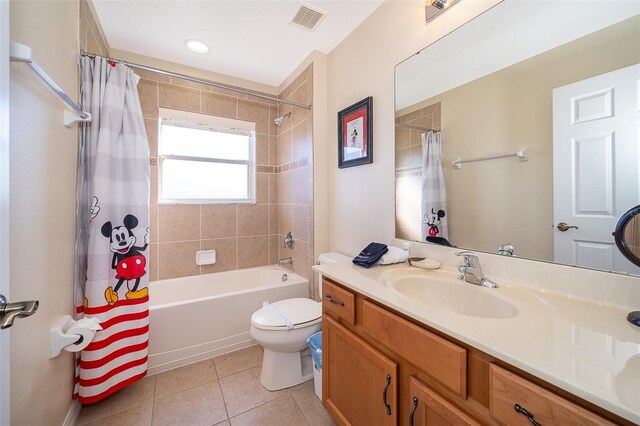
column 282, row 411
column 311, row 406
column 225, row 423
column 136, row 416
column 129, row 397
column 238, row 361
column 202, row 405
column 243, row 391
column 186, row 377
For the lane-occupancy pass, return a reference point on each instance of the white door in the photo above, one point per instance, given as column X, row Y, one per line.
column 4, row 204
column 595, row 166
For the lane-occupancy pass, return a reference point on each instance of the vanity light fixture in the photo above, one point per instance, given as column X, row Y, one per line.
column 196, row 46
column 434, row 8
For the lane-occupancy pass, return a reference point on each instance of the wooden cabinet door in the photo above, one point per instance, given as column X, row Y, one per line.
column 427, row 408
column 359, row 383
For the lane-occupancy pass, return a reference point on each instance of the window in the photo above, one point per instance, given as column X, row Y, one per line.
column 205, row 159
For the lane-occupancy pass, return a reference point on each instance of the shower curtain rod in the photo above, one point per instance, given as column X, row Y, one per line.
column 409, row 126
column 196, row 80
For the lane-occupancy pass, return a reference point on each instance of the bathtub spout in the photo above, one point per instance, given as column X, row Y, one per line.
column 285, row 261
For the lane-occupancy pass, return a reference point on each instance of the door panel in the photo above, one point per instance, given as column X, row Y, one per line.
column 595, row 166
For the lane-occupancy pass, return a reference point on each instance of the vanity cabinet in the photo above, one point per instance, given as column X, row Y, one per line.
column 361, row 383
column 430, row 409
column 383, row 368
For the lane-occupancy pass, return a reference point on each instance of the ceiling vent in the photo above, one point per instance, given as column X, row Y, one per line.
column 307, row 16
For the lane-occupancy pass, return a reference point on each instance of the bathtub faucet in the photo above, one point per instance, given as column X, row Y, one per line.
column 285, row 261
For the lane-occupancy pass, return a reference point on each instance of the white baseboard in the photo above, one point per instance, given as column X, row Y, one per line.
column 72, row 415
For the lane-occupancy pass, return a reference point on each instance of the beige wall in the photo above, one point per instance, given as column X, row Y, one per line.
column 295, row 174
column 361, row 199
column 495, row 202
column 43, row 156
column 242, row 235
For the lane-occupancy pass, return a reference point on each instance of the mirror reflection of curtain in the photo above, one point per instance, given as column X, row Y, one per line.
column 434, row 196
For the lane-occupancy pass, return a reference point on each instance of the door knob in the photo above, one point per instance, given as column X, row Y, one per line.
column 564, row 227
column 11, row 311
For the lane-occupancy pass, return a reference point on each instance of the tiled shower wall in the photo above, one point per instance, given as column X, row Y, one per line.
column 409, row 169
column 90, row 38
column 295, row 175
column 242, row 235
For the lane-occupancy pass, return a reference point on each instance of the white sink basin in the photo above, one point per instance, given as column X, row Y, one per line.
column 453, row 295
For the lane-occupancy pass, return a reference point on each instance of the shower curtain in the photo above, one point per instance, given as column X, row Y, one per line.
column 433, row 196
column 112, row 231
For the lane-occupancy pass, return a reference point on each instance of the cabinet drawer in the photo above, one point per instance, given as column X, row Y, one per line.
column 508, row 390
column 338, row 302
column 428, row 408
column 443, row 360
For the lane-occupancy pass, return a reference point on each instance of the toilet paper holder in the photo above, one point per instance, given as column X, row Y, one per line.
column 72, row 342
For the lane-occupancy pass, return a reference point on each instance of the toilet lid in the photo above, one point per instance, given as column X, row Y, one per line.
column 298, row 312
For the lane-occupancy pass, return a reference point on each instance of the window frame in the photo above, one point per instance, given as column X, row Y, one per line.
column 218, row 124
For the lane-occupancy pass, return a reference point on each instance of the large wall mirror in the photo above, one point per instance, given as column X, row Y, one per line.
column 535, row 108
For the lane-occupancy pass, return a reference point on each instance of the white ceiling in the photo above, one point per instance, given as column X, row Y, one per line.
column 249, row 39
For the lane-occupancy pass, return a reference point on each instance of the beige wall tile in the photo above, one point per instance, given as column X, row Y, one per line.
column 273, row 188
column 274, row 240
column 257, row 112
column 148, row 94
column 154, row 184
column 178, row 222
column 262, row 188
column 170, row 96
column 262, row 150
column 151, row 126
column 300, row 185
column 301, row 259
column 253, row 219
column 177, row 259
column 218, row 221
column 301, row 222
column 152, row 266
column 285, row 190
column 273, row 218
column 284, row 148
column 285, row 218
column 150, row 75
column 220, row 105
column 310, row 228
column 153, row 223
column 190, row 84
column 226, row 254
column 301, row 141
column 273, row 151
column 253, row 251
column 273, row 113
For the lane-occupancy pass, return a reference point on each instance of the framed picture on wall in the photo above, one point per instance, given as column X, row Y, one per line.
column 355, row 134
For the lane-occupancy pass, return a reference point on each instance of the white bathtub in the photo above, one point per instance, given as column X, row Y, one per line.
column 199, row 317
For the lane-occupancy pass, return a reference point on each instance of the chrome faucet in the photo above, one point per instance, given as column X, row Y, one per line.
column 285, row 261
column 11, row 311
column 506, row 249
column 471, row 271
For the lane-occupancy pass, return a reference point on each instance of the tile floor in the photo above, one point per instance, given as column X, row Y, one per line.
column 224, row 390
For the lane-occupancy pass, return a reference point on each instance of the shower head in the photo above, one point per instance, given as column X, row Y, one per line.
column 278, row 120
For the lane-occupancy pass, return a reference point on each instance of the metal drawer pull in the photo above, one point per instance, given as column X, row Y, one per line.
column 332, row 300
column 384, row 394
column 520, row 409
column 413, row 410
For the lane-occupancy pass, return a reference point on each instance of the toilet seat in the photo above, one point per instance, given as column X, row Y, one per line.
column 297, row 312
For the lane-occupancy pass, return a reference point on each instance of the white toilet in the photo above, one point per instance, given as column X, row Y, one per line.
column 282, row 329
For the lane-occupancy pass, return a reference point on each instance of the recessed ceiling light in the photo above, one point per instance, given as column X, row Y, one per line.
column 196, row 46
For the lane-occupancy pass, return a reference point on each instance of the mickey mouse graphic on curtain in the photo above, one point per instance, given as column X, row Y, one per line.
column 433, row 220
column 128, row 260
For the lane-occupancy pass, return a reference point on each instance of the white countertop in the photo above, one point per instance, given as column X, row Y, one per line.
column 582, row 346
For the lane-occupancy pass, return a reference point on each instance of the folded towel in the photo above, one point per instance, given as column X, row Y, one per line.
column 370, row 254
column 394, row 255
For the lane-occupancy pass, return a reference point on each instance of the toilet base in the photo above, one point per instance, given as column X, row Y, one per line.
column 285, row 369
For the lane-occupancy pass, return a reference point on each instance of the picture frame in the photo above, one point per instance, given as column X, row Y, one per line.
column 355, row 135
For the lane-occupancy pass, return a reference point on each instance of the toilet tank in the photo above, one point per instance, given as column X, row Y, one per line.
column 331, row 257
